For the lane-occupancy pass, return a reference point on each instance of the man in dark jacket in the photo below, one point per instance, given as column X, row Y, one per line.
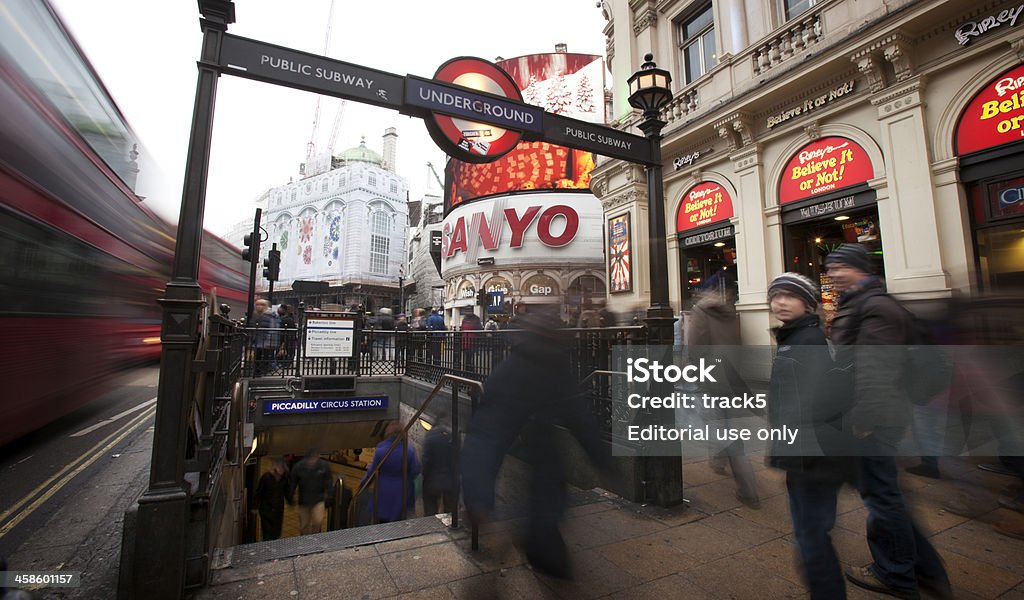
column 799, row 398
column 440, row 473
column 312, row 477
column 528, row 394
column 869, row 331
column 270, row 494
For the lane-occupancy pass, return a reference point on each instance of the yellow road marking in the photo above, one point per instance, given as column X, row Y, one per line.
column 45, row 484
column 87, row 459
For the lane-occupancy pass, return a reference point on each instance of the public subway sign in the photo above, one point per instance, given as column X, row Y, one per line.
column 596, row 138
column 290, row 406
column 995, row 116
column 275, row 64
column 824, row 166
column 705, row 203
column 972, row 29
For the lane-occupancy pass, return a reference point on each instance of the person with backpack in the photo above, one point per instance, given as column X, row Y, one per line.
column 799, row 397
column 871, row 332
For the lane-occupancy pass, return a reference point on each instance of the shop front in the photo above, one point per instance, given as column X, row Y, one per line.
column 990, row 144
column 825, row 202
column 707, row 241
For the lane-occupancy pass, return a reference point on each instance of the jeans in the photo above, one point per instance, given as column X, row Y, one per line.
column 812, row 506
column 901, row 553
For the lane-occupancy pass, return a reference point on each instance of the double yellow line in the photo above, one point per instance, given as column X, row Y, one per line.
column 51, row 486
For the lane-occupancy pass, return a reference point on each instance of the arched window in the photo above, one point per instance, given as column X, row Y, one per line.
column 380, row 241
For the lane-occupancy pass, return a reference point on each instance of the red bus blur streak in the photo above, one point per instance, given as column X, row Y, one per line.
column 42, row 207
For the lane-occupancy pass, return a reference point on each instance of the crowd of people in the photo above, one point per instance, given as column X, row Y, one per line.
column 843, row 384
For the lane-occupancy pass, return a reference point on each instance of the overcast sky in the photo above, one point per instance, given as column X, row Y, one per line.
column 145, row 52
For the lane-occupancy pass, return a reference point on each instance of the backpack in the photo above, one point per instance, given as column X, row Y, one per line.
column 929, row 368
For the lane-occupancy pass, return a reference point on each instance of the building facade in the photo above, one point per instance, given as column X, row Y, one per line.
column 797, row 125
column 345, row 223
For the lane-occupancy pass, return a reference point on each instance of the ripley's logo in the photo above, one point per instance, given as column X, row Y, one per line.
column 976, row 28
column 1004, row 86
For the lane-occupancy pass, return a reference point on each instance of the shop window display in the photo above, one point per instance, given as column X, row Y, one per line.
column 809, row 243
column 702, row 262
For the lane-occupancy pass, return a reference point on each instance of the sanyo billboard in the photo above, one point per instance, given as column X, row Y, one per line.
column 523, row 229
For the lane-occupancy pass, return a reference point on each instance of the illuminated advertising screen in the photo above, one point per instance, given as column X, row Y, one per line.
column 560, row 83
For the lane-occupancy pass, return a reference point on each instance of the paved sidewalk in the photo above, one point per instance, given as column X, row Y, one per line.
column 713, row 548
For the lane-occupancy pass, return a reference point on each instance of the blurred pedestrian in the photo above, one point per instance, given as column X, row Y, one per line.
column 713, row 334
column 799, row 398
column 869, row 330
column 265, row 337
column 270, row 496
column 440, row 472
column 529, row 394
column 289, row 333
column 435, row 325
column 312, row 478
column 470, row 344
column 392, row 477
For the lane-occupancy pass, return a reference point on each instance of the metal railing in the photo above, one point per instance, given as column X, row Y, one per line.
column 373, row 477
column 212, row 441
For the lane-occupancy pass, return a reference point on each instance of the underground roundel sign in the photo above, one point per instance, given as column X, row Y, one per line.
column 468, row 140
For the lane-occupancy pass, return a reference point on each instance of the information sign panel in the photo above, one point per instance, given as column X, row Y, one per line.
column 329, row 338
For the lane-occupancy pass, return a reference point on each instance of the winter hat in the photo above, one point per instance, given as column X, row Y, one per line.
column 854, row 255
column 797, row 285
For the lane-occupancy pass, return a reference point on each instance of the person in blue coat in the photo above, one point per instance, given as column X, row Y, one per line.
column 389, row 492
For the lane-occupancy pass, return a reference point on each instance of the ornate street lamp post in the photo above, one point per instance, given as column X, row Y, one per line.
column 163, row 509
column 650, row 91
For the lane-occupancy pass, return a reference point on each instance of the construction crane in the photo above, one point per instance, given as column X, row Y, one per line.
column 436, row 176
column 311, row 146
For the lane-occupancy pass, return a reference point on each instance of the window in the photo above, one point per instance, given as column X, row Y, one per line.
column 697, row 42
column 380, row 242
column 323, row 186
column 394, row 186
column 371, row 179
column 795, row 8
column 294, row 194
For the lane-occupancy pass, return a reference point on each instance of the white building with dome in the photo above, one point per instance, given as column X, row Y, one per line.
column 345, row 222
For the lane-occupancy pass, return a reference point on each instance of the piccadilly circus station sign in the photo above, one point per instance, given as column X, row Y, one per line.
column 473, row 109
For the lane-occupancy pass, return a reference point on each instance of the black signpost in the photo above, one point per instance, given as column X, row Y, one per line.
column 162, row 532
column 417, row 96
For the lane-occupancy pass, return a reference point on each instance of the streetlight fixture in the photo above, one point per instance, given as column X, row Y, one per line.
column 650, row 91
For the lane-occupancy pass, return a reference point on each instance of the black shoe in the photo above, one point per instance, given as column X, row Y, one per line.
column 996, row 468
column 924, row 470
column 865, row 578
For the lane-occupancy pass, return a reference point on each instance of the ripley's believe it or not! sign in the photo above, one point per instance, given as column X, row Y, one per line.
column 822, row 167
column 995, row 116
column 705, row 203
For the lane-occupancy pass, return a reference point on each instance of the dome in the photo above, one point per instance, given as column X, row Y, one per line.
column 360, row 154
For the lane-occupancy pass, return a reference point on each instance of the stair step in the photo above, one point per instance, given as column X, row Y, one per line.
column 260, row 552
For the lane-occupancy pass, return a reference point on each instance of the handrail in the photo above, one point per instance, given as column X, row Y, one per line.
column 402, row 437
column 601, row 372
